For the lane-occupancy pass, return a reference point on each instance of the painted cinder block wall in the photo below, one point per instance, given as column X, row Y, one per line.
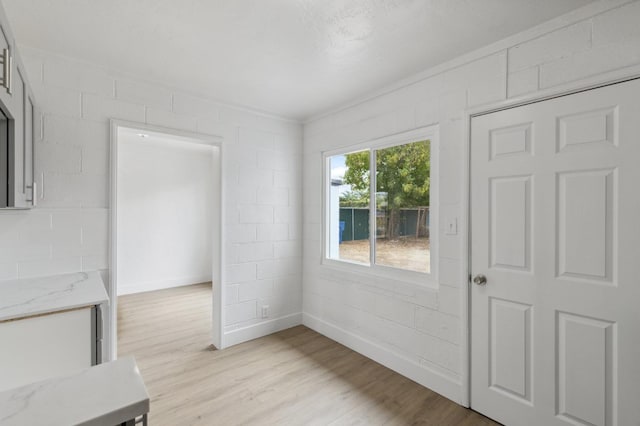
column 167, row 186
column 415, row 329
column 69, row 231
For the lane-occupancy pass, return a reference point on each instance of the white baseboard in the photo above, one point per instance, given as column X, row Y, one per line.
column 421, row 374
column 261, row 329
column 160, row 285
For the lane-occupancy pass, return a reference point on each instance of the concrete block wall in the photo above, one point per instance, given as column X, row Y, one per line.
column 416, row 329
column 69, row 231
column 601, row 43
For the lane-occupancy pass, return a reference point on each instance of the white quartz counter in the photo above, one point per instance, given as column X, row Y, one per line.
column 106, row 394
column 36, row 296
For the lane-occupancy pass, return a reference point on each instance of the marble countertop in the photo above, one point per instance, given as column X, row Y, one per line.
column 36, row 296
column 106, row 394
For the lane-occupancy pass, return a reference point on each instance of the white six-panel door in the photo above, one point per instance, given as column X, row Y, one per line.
column 555, row 228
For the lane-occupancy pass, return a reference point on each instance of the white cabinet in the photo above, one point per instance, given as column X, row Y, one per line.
column 50, row 326
column 45, row 346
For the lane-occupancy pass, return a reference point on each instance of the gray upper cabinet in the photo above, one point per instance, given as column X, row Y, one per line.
column 17, row 107
column 6, row 62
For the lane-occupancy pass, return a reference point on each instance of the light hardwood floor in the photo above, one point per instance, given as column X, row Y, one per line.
column 295, row 377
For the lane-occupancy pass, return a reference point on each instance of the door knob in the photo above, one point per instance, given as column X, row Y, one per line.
column 480, row 279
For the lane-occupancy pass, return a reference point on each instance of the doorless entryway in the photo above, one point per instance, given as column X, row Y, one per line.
column 166, row 207
column 555, row 331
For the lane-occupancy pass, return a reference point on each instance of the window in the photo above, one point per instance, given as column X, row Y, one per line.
column 378, row 204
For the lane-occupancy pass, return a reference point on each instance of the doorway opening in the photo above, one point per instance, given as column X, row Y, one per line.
column 165, row 229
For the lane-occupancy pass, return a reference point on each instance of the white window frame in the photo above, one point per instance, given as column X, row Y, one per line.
column 429, row 279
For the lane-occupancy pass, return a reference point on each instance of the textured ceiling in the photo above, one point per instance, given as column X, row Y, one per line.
column 293, row 58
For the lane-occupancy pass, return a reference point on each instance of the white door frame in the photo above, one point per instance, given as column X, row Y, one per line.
column 613, row 77
column 111, row 338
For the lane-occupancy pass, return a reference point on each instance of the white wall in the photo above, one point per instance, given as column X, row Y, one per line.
column 261, row 158
column 412, row 328
column 165, row 201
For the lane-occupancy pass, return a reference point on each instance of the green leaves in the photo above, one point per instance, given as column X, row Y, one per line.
column 402, row 179
column 357, row 173
column 402, row 172
column 354, row 199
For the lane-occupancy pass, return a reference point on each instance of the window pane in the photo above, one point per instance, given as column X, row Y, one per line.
column 349, row 207
column 402, row 206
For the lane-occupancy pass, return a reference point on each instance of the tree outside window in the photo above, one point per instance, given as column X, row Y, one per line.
column 401, row 210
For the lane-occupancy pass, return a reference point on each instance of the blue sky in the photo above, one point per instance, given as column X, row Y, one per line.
column 338, row 166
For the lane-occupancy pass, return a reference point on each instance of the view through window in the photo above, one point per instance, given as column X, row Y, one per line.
column 400, row 193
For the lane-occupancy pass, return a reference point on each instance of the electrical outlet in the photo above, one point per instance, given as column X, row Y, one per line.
column 452, row 226
column 265, row 311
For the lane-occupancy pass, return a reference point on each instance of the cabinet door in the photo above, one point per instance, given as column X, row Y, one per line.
column 17, row 143
column 5, row 70
column 39, row 348
column 29, row 149
column 4, row 158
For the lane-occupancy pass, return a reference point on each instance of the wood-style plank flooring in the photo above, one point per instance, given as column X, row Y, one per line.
column 295, row 377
